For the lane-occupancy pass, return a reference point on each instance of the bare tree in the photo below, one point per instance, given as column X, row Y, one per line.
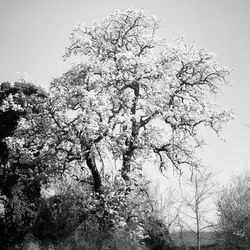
column 196, row 202
column 166, row 206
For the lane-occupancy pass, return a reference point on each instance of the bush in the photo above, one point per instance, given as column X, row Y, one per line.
column 158, row 235
column 234, row 214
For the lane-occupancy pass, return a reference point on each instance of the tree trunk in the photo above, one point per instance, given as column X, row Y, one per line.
column 198, row 242
column 91, row 163
column 126, row 165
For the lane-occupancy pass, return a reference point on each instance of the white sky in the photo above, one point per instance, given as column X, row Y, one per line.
column 34, row 34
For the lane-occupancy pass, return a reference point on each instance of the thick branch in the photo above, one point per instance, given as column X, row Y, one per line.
column 91, row 163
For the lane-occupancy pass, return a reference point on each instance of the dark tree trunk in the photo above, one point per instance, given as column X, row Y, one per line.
column 91, row 163
column 126, row 165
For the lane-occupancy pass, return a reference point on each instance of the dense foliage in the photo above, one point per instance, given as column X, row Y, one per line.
column 20, row 181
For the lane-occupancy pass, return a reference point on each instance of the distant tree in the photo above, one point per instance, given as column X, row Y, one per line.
column 196, row 199
column 20, row 181
column 167, row 205
column 234, row 213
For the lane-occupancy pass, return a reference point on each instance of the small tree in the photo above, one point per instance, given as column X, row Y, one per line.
column 196, row 199
column 234, row 213
column 167, row 206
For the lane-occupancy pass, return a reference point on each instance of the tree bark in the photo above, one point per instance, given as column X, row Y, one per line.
column 126, row 164
column 197, row 215
column 91, row 163
column 198, row 242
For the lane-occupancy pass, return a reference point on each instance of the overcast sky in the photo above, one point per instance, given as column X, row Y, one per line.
column 34, row 34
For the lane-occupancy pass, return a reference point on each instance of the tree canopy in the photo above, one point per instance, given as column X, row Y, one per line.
column 130, row 96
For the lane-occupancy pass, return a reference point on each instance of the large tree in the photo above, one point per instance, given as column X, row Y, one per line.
column 131, row 96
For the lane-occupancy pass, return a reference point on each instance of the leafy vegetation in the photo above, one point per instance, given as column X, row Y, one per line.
column 234, row 214
column 20, row 183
